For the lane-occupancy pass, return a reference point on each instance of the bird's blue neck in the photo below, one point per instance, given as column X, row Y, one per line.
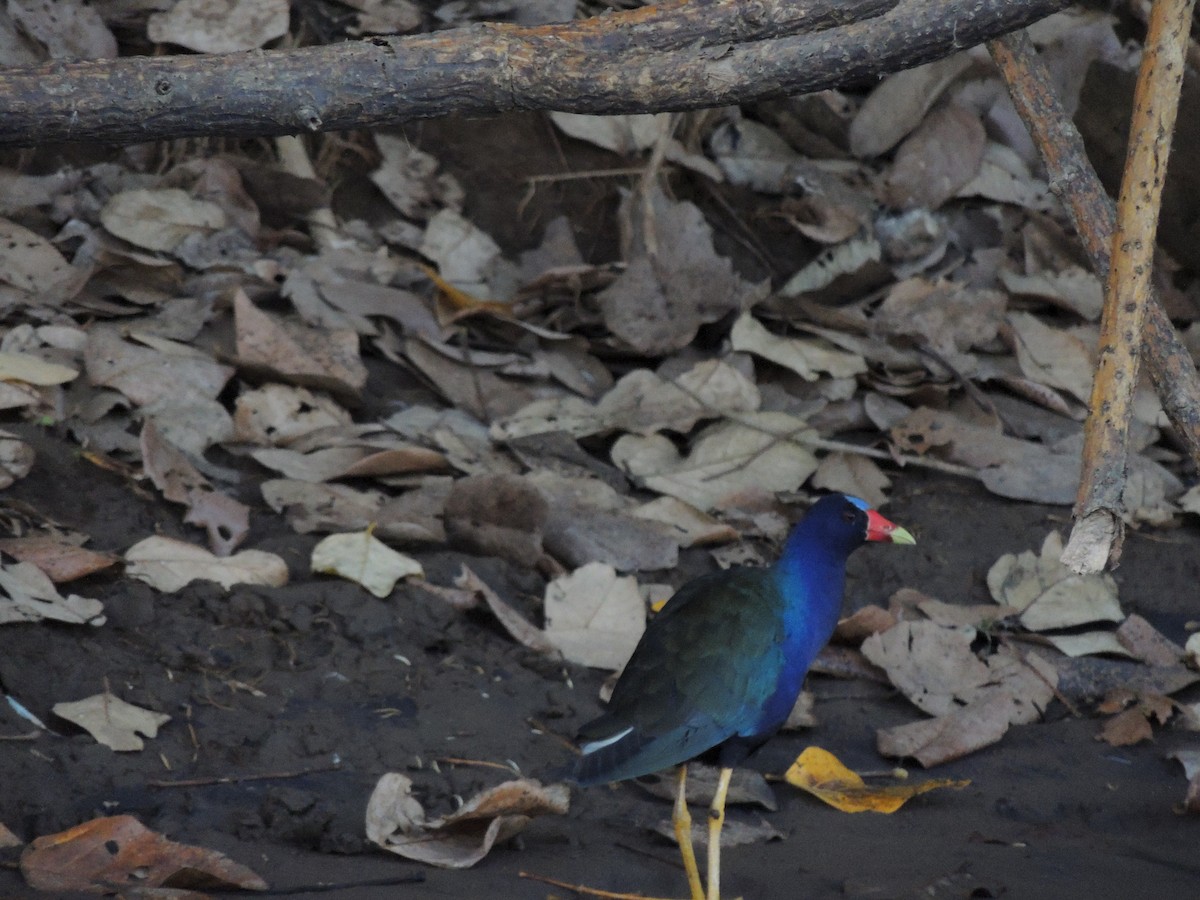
column 812, row 578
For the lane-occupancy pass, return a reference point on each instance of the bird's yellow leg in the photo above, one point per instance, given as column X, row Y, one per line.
column 682, row 820
column 716, row 819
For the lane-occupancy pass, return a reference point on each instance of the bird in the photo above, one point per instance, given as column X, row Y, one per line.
column 719, row 668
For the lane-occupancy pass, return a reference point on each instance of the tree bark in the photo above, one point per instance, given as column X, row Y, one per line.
column 678, row 56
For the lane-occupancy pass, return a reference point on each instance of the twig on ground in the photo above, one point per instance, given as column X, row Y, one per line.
column 584, row 889
column 1094, row 218
column 238, row 779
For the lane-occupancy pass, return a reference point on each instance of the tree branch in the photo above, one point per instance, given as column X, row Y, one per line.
column 679, row 55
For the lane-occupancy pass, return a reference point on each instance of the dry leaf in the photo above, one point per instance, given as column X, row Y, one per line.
column 319, row 358
column 160, row 219
column 119, row 851
column 807, row 357
column 362, row 558
column 1126, row 729
column 852, row 474
column 1052, row 356
column 31, row 596
column 275, row 415
column 860, row 625
column 937, row 160
column 112, row 721
column 685, row 524
column 662, row 298
column 641, row 402
column 409, row 178
column 169, row 565
column 60, row 559
column 755, row 455
column 821, row 774
column 396, row 820
column 514, row 623
column 33, row 370
column 899, row 103
column 467, row 258
column 220, row 26
column 594, row 617
column 1048, row 594
column 7, row 838
column 975, row 701
column 167, row 370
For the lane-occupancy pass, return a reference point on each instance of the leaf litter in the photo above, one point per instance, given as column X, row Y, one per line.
column 692, row 392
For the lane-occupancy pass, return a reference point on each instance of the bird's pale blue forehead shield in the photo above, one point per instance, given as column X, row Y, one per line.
column 861, row 504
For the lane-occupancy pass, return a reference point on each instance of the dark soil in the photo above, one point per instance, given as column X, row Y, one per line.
column 316, row 689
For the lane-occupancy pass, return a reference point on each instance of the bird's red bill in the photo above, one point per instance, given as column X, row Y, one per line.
column 880, row 529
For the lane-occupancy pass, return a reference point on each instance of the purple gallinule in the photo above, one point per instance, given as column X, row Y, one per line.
column 721, row 666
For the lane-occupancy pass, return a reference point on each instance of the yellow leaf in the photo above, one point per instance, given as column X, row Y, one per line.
column 821, row 774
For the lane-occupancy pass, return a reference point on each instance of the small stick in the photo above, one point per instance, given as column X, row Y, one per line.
column 237, row 779
column 584, row 889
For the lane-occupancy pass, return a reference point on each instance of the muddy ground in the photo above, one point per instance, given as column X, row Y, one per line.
column 301, row 697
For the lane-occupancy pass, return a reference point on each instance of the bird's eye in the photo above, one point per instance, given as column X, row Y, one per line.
column 848, row 516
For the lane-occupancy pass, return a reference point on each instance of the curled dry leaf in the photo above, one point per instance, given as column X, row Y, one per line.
column 1190, row 760
column 7, row 838
column 119, row 850
column 758, row 454
column 396, row 820
column 169, row 565
column 975, row 701
column 822, row 774
column 363, row 558
column 1050, row 595
column 514, row 623
column 594, row 617
column 112, row 721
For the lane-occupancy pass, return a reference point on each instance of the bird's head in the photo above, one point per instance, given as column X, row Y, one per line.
column 844, row 522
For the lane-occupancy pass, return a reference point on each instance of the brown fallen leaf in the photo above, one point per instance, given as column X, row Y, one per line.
column 396, row 820
column 514, row 623
column 309, row 357
column 1126, row 729
column 860, row 625
column 119, row 850
column 821, row 774
column 61, row 560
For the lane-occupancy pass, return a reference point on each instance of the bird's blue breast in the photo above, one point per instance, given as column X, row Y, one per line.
column 809, row 607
